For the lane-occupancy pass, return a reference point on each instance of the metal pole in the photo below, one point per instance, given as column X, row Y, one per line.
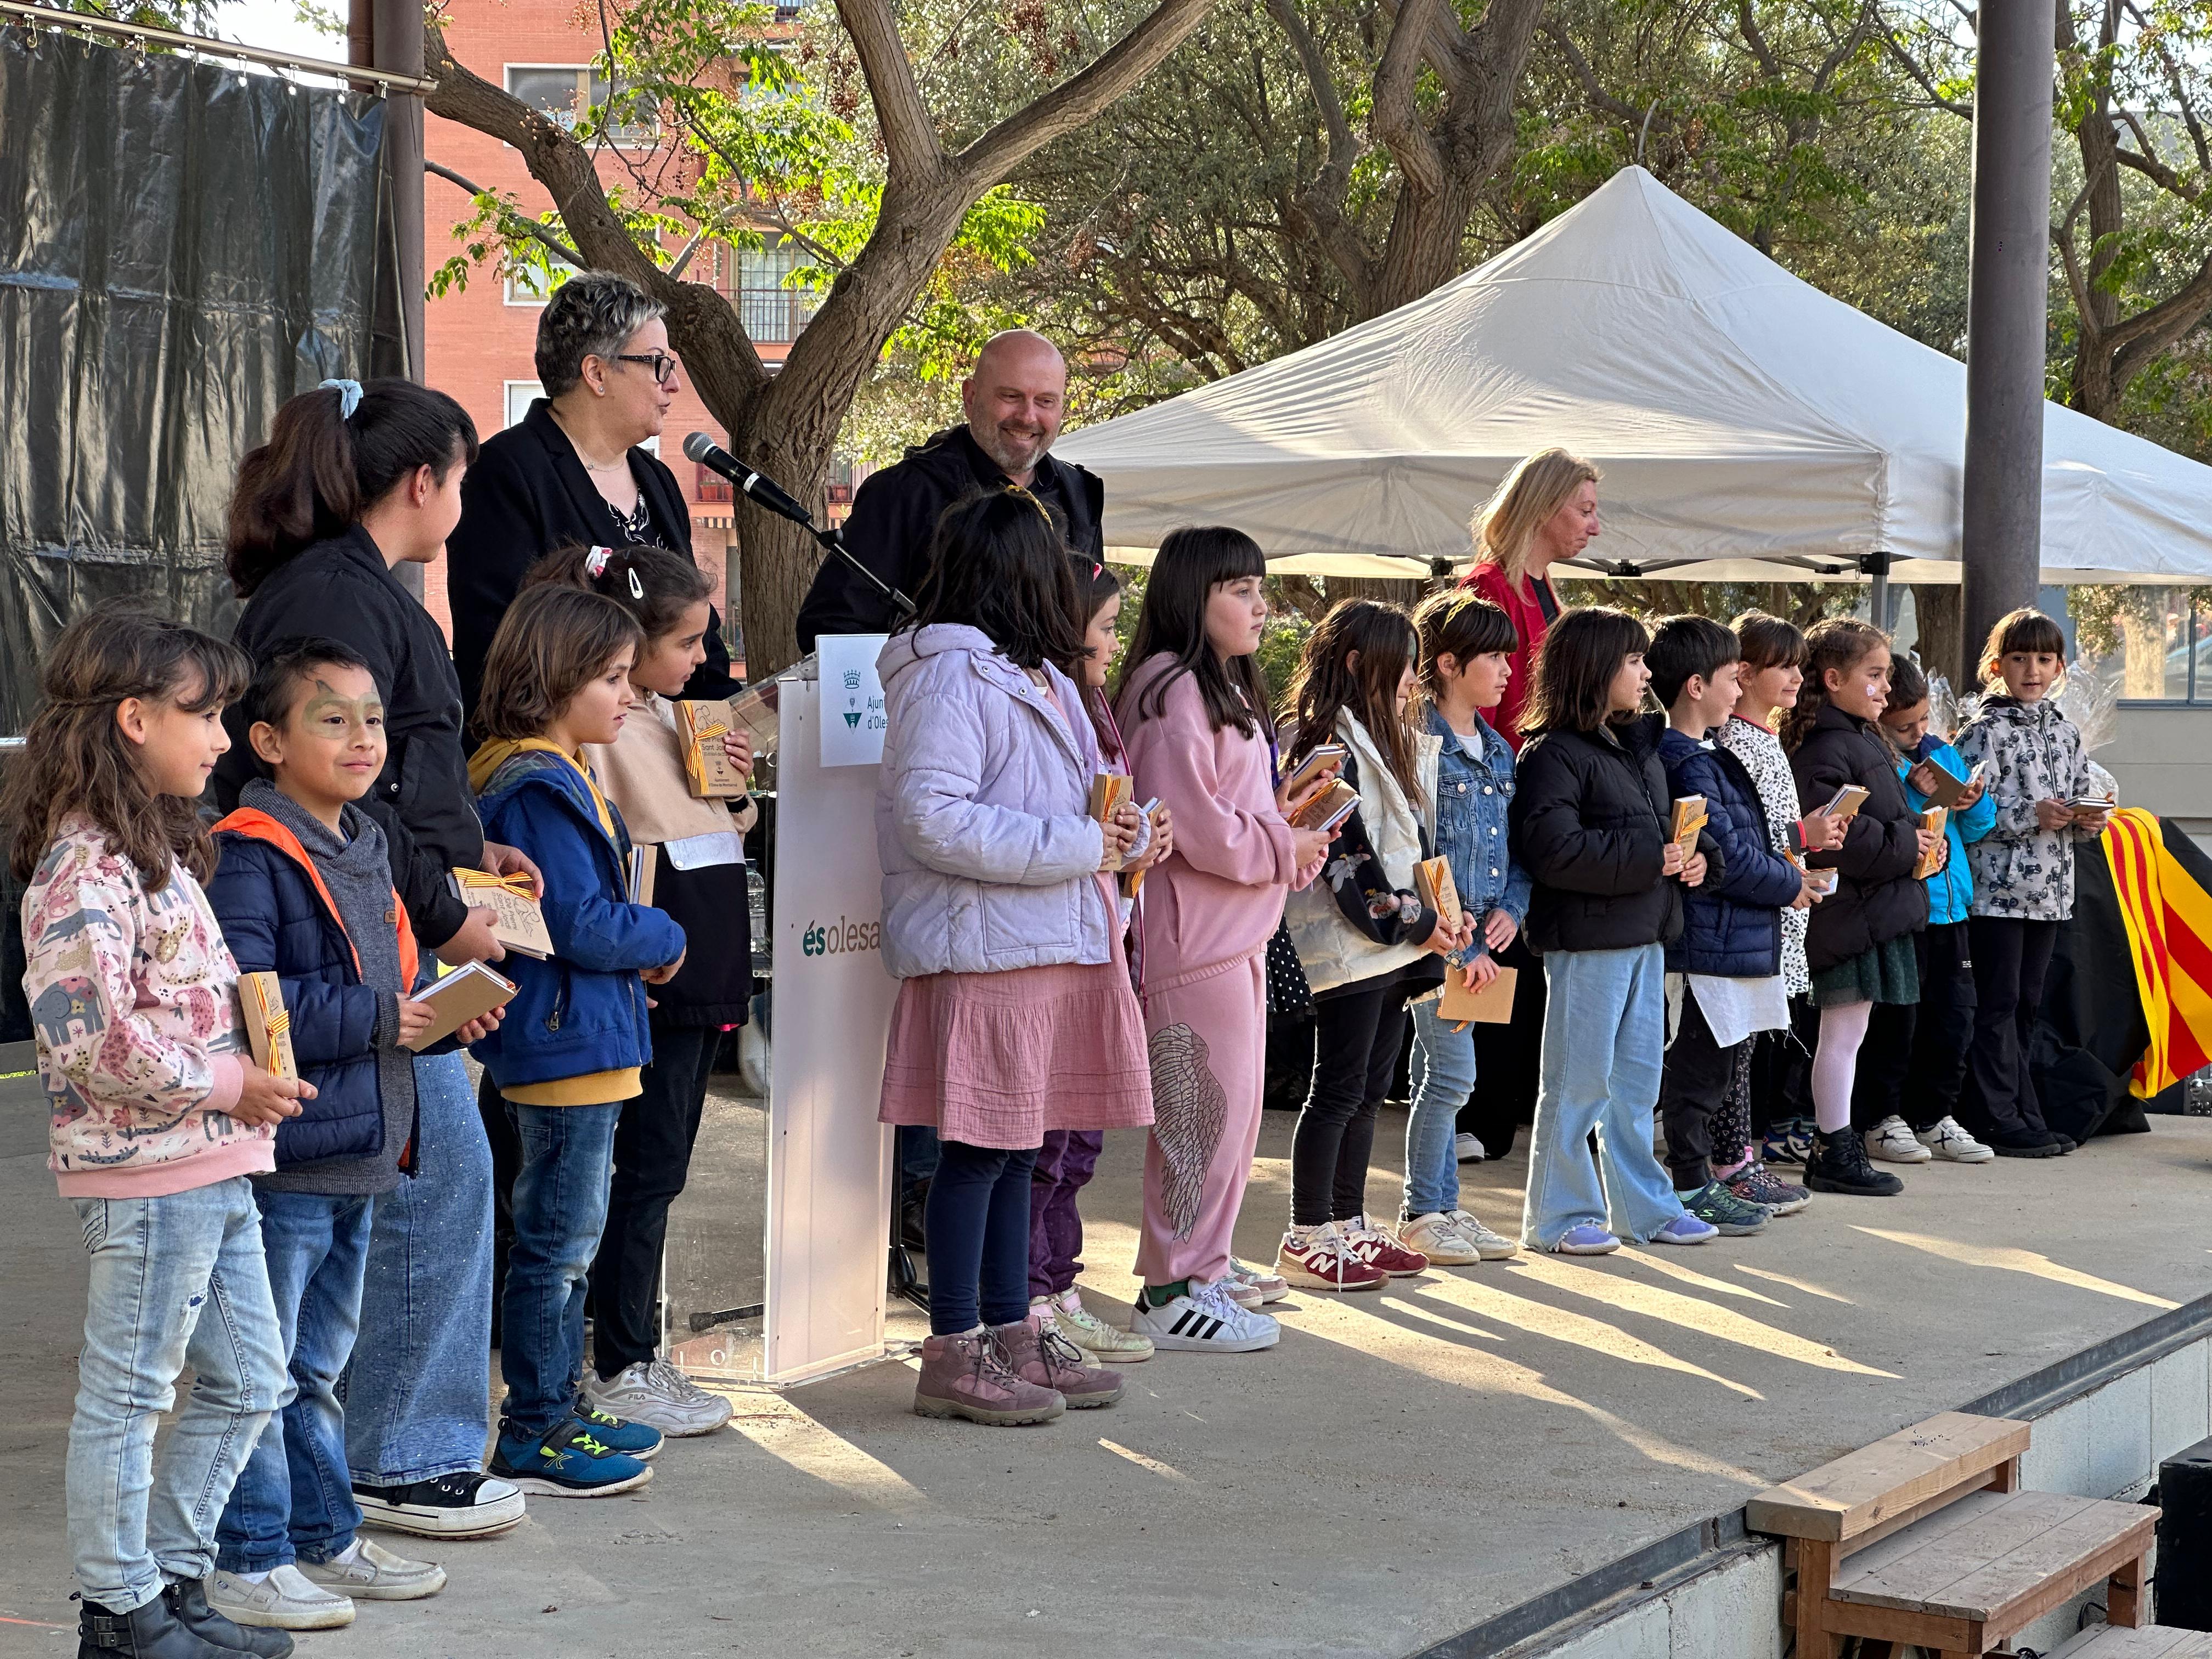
column 398, row 32
column 2001, row 538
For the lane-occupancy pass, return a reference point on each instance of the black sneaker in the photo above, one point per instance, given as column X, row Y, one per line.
column 1838, row 1164
column 2024, row 1143
column 188, row 1605
column 463, row 1505
column 2066, row 1143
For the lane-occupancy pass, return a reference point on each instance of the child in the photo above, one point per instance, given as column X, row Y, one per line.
column 2023, row 871
column 699, row 881
column 1467, row 662
column 1859, row 942
column 1364, row 942
column 1015, row 1016
column 1068, row 1157
column 1194, row 705
column 1589, row 821
column 1919, row 1054
column 156, row 1122
column 304, row 890
column 1729, row 954
column 1770, row 674
column 575, row 1038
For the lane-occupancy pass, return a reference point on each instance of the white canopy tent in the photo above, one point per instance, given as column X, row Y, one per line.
column 1750, row 428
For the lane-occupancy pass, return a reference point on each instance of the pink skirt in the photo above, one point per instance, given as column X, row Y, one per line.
column 996, row 1059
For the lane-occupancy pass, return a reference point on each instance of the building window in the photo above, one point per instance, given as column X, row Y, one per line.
column 2160, row 643
column 753, row 280
column 529, row 285
column 713, row 487
column 520, row 394
column 567, row 91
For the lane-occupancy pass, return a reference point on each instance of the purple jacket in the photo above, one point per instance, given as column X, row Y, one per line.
column 983, row 822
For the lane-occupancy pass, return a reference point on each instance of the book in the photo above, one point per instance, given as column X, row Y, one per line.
column 700, row 728
column 1334, row 804
column 1110, row 793
column 1690, row 816
column 1491, row 1006
column 517, row 922
column 1949, row 791
column 1845, row 802
column 1433, row 881
column 1324, row 755
column 267, row 1023
column 643, row 861
column 1133, row 881
column 1931, row 819
column 2091, row 803
column 470, row 991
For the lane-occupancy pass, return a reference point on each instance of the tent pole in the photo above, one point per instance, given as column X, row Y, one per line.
column 2007, row 312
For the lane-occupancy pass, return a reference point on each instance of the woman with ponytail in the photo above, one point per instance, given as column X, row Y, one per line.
column 354, row 481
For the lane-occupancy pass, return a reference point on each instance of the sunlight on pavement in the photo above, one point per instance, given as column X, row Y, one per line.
column 785, row 1433
column 1795, row 1283
column 2009, row 1259
column 1563, row 1325
column 1674, row 1270
column 1143, row 1462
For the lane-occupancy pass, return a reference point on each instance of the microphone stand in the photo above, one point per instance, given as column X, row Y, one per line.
column 833, row 541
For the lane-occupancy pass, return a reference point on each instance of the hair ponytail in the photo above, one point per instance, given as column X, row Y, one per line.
column 322, row 469
column 1839, row 643
column 653, row 584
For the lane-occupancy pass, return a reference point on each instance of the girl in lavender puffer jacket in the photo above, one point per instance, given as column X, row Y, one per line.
column 1015, row 1014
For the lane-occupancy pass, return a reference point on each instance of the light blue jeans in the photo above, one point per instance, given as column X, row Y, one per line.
column 1605, row 1037
column 177, row 1281
column 1444, row 1067
column 295, row 1499
column 418, row 1393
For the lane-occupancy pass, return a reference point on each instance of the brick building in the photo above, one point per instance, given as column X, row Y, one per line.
column 478, row 343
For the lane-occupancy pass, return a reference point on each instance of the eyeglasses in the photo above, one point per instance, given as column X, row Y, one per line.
column 663, row 365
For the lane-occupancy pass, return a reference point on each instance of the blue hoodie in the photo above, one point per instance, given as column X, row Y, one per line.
column 582, row 1010
column 1950, row 890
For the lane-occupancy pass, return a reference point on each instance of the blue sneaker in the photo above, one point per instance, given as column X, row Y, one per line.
column 568, row 1461
column 617, row 1434
column 1687, row 1229
column 1587, row 1238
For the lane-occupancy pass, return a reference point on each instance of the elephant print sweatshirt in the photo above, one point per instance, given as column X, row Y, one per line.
column 133, row 999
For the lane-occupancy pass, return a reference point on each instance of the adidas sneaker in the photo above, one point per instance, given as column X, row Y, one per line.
column 1205, row 1320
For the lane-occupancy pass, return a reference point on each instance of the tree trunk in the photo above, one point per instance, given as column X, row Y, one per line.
column 1383, row 589
column 1942, row 645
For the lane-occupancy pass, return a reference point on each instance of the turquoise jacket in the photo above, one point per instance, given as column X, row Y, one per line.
column 1950, row 890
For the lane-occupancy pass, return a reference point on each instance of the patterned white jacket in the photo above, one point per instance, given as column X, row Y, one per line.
column 2033, row 753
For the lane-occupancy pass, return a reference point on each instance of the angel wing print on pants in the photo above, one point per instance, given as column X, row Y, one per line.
column 1189, row 1110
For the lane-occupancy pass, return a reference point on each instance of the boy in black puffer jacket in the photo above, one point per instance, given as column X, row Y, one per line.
column 1724, row 973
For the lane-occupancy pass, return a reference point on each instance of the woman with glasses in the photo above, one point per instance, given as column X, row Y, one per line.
column 572, row 473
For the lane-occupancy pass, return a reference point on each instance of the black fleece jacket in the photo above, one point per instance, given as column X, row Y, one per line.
column 1877, row 899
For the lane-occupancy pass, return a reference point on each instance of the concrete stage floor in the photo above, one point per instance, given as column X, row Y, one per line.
column 1404, row 1466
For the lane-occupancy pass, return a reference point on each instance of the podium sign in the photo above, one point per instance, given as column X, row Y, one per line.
column 828, row 1159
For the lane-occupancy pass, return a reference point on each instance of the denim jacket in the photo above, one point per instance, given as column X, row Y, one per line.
column 1471, row 797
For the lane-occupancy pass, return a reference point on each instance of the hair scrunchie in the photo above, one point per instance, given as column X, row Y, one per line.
column 349, row 396
column 595, row 562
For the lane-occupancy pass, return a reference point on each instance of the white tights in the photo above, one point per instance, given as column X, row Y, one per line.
column 1836, row 1063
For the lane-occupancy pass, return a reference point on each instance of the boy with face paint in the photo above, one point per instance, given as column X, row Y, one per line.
column 304, row 890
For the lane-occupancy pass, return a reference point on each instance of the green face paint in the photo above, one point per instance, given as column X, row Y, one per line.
column 329, row 714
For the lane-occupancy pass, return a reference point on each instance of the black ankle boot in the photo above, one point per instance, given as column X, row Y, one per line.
column 188, row 1602
column 148, row 1632
column 1840, row 1164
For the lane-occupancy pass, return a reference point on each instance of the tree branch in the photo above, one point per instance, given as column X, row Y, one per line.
column 1913, row 68
column 910, row 147
column 1080, row 98
column 1393, row 121
column 521, row 222
column 1579, row 67
column 2135, row 340
column 1321, row 202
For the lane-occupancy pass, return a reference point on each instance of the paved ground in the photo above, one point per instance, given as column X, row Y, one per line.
column 1403, row 1466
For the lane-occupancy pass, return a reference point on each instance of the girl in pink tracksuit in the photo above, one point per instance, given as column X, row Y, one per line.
column 1193, row 708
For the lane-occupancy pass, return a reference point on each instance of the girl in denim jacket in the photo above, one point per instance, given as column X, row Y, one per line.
column 1466, row 661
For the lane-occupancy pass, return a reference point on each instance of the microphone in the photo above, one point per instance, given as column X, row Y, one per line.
column 706, row 453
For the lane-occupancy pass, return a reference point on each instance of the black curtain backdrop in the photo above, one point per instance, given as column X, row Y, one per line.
column 182, row 247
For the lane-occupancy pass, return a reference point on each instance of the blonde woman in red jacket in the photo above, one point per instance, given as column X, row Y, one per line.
column 1545, row 511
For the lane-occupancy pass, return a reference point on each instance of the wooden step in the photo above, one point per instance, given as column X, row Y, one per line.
column 1922, row 1466
column 1999, row 1559
column 2150, row 1642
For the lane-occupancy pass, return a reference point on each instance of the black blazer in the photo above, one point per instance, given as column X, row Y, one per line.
column 527, row 495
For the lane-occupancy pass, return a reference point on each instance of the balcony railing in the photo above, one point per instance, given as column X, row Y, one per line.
column 775, row 315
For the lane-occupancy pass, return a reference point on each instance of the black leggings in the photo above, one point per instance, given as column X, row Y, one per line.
column 1356, row 1036
column 2011, row 959
column 976, row 1225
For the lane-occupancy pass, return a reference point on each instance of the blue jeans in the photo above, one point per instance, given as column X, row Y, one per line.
column 177, row 1281
column 295, row 1498
column 419, row 1391
column 1605, row 1037
column 1444, row 1061
column 559, row 1210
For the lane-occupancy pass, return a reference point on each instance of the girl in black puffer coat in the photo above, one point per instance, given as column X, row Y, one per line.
column 1858, row 942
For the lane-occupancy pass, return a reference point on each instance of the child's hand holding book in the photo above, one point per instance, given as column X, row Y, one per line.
column 267, row 1098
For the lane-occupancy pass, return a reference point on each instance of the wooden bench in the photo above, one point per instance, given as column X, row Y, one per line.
column 2145, row 1642
column 1925, row 1538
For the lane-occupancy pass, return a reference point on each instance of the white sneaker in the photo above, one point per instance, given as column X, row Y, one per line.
column 1467, row 1148
column 285, row 1600
column 656, row 1393
column 376, row 1574
column 1252, row 1286
column 1436, row 1236
column 1108, row 1344
column 1948, row 1141
column 1207, row 1321
column 1892, row 1142
column 1491, row 1246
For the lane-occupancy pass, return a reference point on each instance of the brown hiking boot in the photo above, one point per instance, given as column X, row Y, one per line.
column 968, row 1376
column 1040, row 1354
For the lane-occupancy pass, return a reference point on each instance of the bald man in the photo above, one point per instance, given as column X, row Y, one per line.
column 1013, row 400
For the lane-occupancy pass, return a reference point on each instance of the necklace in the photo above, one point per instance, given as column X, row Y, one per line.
column 590, row 465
